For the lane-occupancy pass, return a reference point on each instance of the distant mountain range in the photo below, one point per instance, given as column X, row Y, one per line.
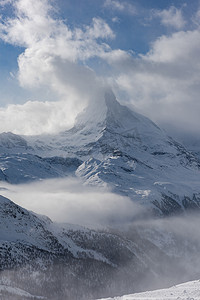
column 188, row 290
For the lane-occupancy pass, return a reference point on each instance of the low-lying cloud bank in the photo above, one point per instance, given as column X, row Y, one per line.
column 68, row 200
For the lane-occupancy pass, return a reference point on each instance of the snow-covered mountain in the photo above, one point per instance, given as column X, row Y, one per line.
column 22, row 228
column 185, row 291
column 63, row 261
column 110, row 145
column 25, row 167
column 55, row 260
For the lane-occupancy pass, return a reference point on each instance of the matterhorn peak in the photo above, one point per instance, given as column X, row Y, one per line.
column 101, row 110
column 95, row 114
column 106, row 113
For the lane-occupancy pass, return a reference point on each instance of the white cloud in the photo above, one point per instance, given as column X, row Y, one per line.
column 196, row 18
column 46, row 38
column 51, row 59
column 68, row 200
column 48, row 41
column 121, row 6
column 5, row 2
column 171, row 17
column 182, row 47
column 100, row 29
column 165, row 83
column 115, row 20
column 36, row 117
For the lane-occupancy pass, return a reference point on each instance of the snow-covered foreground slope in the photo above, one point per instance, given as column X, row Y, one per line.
column 186, row 291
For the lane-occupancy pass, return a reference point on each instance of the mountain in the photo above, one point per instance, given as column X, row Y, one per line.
column 62, row 261
column 187, row 290
column 110, row 145
column 25, row 167
column 136, row 158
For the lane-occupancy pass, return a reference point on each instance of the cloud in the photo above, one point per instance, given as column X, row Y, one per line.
column 68, row 200
column 171, row 17
column 164, row 83
column 5, row 2
column 54, row 58
column 35, row 117
column 179, row 238
column 196, row 18
column 47, row 40
column 99, row 29
column 115, row 20
column 121, row 6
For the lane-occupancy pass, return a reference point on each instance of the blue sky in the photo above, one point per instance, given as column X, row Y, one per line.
column 57, row 54
column 134, row 31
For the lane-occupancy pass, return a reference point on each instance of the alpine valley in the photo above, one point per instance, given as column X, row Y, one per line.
column 110, row 146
